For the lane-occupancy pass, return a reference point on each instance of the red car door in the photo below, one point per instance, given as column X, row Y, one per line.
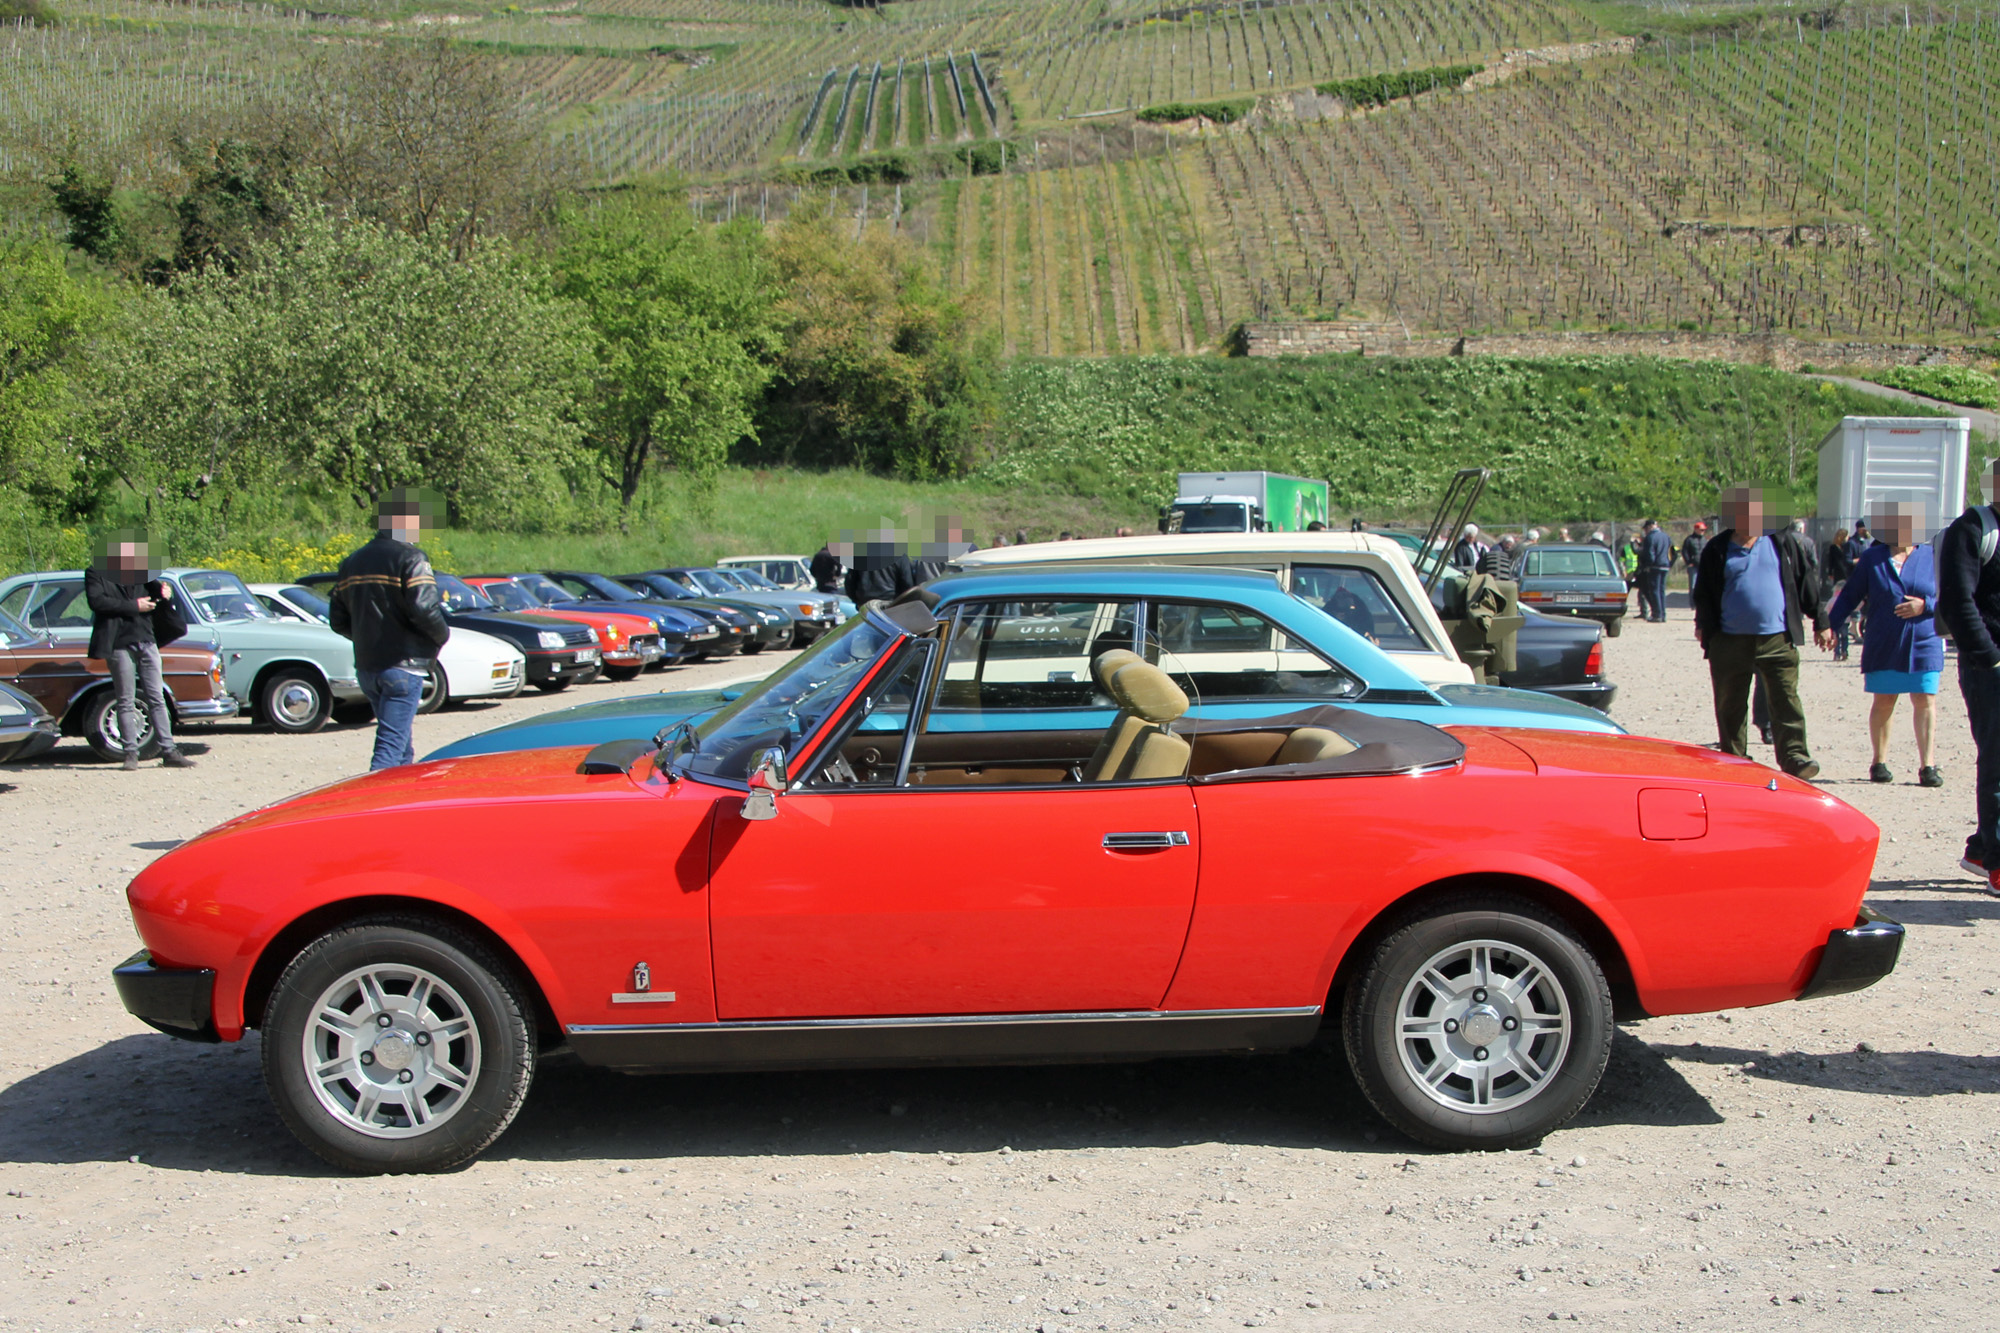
column 907, row 901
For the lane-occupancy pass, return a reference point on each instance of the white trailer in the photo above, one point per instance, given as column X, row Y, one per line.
column 1866, row 461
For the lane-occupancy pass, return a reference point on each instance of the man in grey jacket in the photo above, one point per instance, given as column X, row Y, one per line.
column 1656, row 557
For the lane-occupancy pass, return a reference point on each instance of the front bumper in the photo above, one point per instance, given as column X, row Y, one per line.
column 179, row 1001
column 222, row 705
column 1858, row 957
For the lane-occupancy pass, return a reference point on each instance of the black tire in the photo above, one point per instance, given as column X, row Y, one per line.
column 475, row 985
column 293, row 700
column 436, row 692
column 1370, row 1024
column 1613, row 628
column 751, row 647
column 553, row 685
column 356, row 713
column 623, row 673
column 100, row 728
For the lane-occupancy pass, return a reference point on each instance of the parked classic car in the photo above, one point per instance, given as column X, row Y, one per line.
column 1366, row 581
column 77, row 689
column 26, row 729
column 558, row 652
column 792, row 572
column 471, row 665
column 408, row 959
column 764, row 626
column 734, row 629
column 814, row 612
column 286, row 675
column 628, row 643
column 1575, row 580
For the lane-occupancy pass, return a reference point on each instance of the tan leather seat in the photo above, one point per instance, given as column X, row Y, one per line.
column 1310, row 744
column 1138, row 745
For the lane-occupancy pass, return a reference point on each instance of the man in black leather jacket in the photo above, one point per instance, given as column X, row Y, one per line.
column 386, row 601
column 131, row 618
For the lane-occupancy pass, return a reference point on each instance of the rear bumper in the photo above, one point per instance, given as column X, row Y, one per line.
column 179, row 1001
column 1596, row 694
column 222, row 705
column 1858, row 957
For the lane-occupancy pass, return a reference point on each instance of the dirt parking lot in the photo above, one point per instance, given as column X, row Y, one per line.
column 1829, row 1164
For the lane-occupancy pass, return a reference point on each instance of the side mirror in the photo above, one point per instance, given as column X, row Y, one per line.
column 767, row 783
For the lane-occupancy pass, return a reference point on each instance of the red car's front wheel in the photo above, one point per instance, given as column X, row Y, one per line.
column 1482, row 1023
column 395, row 1045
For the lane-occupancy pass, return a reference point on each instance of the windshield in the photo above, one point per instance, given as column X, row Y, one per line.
column 458, row 595
column 545, row 590
column 661, row 587
column 785, row 708
column 611, row 590
column 755, row 580
column 12, row 633
column 510, row 596
column 1214, row 518
column 711, row 581
column 220, row 596
column 308, row 602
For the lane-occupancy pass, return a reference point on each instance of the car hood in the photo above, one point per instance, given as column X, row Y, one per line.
column 637, row 716
column 289, row 636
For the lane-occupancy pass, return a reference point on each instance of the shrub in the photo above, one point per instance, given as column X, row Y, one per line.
column 1222, row 112
column 1382, row 89
column 1950, row 384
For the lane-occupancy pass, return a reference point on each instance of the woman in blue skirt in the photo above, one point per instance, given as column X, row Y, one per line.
column 1901, row 653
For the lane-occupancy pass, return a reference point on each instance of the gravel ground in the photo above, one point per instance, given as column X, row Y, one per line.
column 1785, row 1166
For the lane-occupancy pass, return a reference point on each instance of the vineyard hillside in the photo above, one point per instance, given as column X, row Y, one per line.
column 1110, row 177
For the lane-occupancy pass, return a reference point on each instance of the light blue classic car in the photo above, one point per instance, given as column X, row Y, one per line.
column 1021, row 645
column 287, row 674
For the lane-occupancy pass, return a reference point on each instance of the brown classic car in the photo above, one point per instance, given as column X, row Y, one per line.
column 77, row 689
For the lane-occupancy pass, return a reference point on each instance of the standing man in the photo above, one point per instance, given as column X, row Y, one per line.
column 1656, row 557
column 1691, row 554
column 131, row 618
column 1750, row 606
column 826, row 569
column 1465, row 555
column 386, row 601
column 1969, row 605
column 881, row 569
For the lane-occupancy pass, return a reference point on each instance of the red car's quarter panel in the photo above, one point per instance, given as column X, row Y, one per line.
column 581, row 876
column 1294, row 870
column 980, row 901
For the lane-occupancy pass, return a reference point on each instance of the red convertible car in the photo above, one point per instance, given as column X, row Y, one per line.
column 869, row 859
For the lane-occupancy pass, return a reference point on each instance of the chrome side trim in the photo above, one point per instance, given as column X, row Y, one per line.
column 938, row 1020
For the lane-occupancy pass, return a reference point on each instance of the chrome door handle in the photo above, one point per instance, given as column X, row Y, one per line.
column 1139, row 842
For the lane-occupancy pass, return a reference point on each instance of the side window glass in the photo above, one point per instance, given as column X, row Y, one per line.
column 1534, row 564
column 59, row 606
column 1357, row 599
column 15, row 603
column 1031, row 656
column 868, row 754
column 1225, row 653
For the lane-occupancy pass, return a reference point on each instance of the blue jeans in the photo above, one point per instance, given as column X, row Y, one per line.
column 394, row 695
column 1980, row 688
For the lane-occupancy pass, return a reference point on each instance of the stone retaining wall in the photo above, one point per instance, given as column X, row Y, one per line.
column 1779, row 351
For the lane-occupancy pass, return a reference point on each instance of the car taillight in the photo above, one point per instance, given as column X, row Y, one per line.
column 1536, row 596
column 1593, row 665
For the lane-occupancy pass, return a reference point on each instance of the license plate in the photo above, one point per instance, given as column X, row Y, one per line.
column 586, row 654
column 650, row 651
column 704, row 634
column 1572, row 598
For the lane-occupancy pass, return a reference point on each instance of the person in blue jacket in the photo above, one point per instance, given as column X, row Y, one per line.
column 1901, row 651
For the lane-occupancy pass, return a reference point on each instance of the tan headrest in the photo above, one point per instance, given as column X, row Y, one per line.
column 1145, row 690
column 1109, row 661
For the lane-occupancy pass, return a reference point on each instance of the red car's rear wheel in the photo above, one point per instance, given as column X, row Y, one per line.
column 1482, row 1023
column 397, row 1044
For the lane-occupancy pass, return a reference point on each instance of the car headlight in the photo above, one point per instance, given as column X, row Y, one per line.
column 594, row 638
column 548, row 638
column 611, row 635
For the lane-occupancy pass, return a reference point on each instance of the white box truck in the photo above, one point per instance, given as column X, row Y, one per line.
column 1244, row 502
column 1865, row 461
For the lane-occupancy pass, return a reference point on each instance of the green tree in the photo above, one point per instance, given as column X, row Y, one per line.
column 47, row 319
column 368, row 354
column 682, row 332
column 881, row 369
